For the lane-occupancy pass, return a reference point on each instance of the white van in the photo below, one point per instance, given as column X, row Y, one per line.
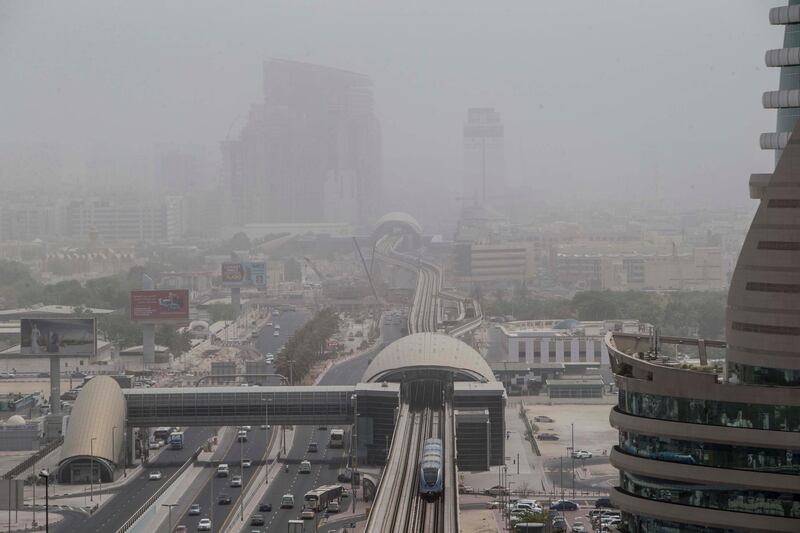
column 287, row 501
column 222, row 470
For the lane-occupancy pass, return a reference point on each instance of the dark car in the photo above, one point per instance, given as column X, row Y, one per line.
column 257, row 520
column 564, row 505
column 224, row 499
column 547, row 436
column 43, row 375
column 264, row 507
column 604, row 503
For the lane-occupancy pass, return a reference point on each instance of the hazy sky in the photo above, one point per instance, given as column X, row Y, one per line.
column 594, row 94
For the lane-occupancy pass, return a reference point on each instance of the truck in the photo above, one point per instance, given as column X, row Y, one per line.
column 176, row 440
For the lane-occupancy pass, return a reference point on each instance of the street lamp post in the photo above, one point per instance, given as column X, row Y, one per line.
column 169, row 506
column 241, row 478
column 91, row 469
column 113, row 450
column 46, row 475
column 266, row 440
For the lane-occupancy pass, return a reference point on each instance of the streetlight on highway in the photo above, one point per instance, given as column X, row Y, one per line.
column 113, row 454
column 266, row 439
column 45, row 474
column 91, row 468
column 170, row 506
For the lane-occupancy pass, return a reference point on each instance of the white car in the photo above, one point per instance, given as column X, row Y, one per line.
column 236, row 481
column 155, row 475
column 276, row 333
column 247, row 463
column 305, row 467
column 581, row 454
column 204, row 524
column 246, row 428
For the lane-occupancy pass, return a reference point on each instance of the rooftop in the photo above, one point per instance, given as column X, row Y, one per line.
column 49, row 310
column 569, row 327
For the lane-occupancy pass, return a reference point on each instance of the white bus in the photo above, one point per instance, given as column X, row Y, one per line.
column 319, row 498
column 337, row 438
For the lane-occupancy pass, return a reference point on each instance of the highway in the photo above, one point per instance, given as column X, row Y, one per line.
column 132, row 496
column 112, row 515
column 326, row 463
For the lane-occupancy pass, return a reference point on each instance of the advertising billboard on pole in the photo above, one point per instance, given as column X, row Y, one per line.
column 58, row 336
column 160, row 305
column 244, row 274
column 233, row 274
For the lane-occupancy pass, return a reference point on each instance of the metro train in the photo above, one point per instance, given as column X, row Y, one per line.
column 431, row 471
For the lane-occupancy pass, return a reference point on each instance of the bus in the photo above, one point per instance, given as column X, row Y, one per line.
column 162, row 433
column 176, row 440
column 337, row 438
column 319, row 498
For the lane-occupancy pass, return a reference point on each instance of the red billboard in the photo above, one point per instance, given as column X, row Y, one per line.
column 160, row 305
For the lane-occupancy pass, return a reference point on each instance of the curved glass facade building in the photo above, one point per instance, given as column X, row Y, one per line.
column 716, row 448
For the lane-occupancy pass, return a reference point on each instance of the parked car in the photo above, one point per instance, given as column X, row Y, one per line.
column 494, row 505
column 581, row 454
column 578, row 527
column 601, row 503
column 204, row 524
column 559, row 524
column 547, row 436
column 224, row 499
column 194, row 509
column 264, row 507
column 564, row 505
column 155, row 475
column 497, row 490
column 546, row 419
column 465, row 489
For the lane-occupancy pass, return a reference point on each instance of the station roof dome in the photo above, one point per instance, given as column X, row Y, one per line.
column 398, row 218
column 428, row 355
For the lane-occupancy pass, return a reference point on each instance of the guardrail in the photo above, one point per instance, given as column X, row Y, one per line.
column 157, row 494
column 27, row 463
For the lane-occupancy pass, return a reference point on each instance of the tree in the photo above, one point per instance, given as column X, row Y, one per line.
column 178, row 343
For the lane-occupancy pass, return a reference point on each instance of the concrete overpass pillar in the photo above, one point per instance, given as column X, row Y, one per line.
column 236, row 301
column 55, row 385
column 149, row 344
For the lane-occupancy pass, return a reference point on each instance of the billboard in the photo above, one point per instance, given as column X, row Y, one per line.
column 244, row 274
column 160, row 305
column 58, row 336
column 233, row 274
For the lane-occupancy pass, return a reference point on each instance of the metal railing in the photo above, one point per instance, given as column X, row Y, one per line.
column 157, row 494
column 27, row 463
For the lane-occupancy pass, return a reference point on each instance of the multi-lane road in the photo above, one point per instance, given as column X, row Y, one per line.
column 133, row 494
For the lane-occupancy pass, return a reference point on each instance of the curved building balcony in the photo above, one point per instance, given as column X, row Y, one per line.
column 782, row 57
column 774, row 140
column 703, row 474
column 784, row 15
column 703, row 432
column 781, row 99
column 679, row 513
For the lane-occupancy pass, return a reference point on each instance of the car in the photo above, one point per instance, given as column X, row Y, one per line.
column 223, row 499
column 287, row 501
column 264, row 507
column 242, row 436
column 581, row 454
column 494, row 505
column 257, row 520
column 155, row 475
column 559, row 524
column 307, row 514
column 334, row 507
column 305, row 467
column 312, row 447
column 276, row 333
column 547, row 436
column 155, row 444
column 564, row 505
column 542, row 418
column 322, row 428
column 497, row 490
column 601, row 503
column 222, row 470
column 194, row 509
column 204, row 524
column 246, row 428
column 578, row 527
column 344, row 477
column 181, row 529
column 43, row 375
column 247, row 463
column 236, row 481
column 269, row 324
column 465, row 489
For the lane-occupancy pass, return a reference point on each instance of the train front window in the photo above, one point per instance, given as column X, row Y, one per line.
column 431, row 475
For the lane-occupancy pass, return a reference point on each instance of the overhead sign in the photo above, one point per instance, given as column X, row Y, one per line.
column 160, row 305
column 58, row 336
column 244, row 274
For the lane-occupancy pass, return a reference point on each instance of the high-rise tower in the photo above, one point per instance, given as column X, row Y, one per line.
column 484, row 156
column 714, row 446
